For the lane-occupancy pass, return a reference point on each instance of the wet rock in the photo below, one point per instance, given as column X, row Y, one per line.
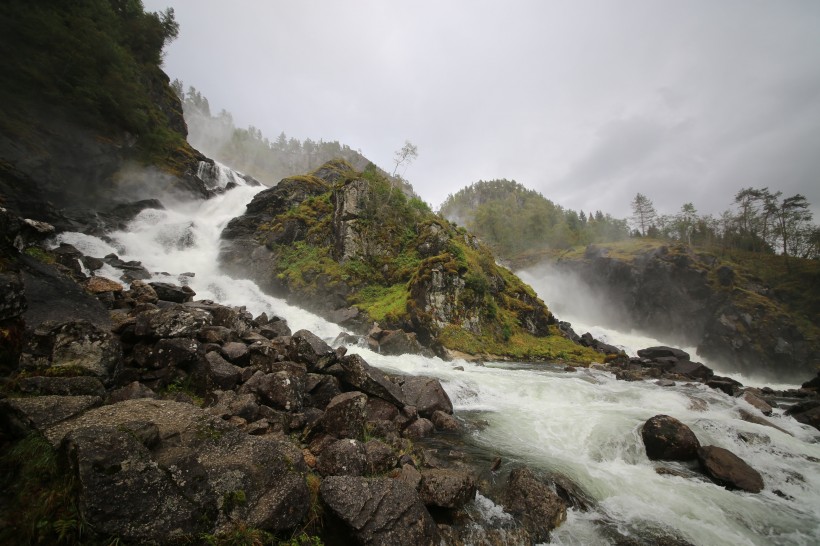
column 807, row 412
column 725, row 384
column 653, row 353
column 76, row 345
column 379, row 511
column 399, row 342
column 758, row 420
column 665, row 383
column 278, row 328
column 427, row 395
column 531, row 501
column 141, row 292
column 345, row 415
column 98, row 285
column 757, row 402
column 693, row 370
column 444, row 421
column 727, row 469
column 447, row 488
column 343, row 458
column 666, row 438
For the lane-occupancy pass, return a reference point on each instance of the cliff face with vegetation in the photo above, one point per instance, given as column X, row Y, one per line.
column 89, row 119
column 354, row 248
column 744, row 311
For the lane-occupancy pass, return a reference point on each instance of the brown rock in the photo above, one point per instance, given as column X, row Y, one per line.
column 727, row 469
column 667, row 438
column 98, row 285
column 532, row 501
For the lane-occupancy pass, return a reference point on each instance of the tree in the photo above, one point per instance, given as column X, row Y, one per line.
column 643, row 213
column 685, row 222
column 405, row 156
column 792, row 217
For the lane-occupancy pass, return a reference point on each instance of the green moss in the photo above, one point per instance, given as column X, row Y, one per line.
column 40, row 254
column 383, row 303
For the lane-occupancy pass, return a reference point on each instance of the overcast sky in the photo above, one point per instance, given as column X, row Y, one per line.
column 588, row 102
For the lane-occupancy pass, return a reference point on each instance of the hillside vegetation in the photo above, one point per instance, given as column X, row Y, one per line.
column 349, row 244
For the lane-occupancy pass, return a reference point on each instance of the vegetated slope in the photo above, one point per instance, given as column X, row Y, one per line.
column 515, row 220
column 352, row 247
column 83, row 98
column 750, row 312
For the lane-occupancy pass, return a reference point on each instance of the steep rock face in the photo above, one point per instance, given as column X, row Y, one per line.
column 693, row 299
column 352, row 247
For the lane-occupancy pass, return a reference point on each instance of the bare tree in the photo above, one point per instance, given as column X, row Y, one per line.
column 643, row 213
column 405, row 156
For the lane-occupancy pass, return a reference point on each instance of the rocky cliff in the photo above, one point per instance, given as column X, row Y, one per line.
column 734, row 317
column 353, row 248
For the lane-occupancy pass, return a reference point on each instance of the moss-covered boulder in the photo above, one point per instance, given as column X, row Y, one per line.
column 357, row 249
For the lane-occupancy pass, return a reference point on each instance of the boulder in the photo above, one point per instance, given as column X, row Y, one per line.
column 143, row 293
column 807, row 412
column 444, row 421
column 321, row 389
column 343, row 458
column 380, row 457
column 653, row 353
column 361, row 376
column 757, row 402
column 132, row 391
column 171, row 292
column 725, row 384
column 426, row 394
column 399, row 342
column 180, row 353
column 236, row 353
column 12, row 295
column 281, row 390
column 99, row 285
column 420, row 428
column 173, row 321
column 77, row 345
column 727, row 469
column 219, row 372
column 345, row 415
column 666, row 438
column 379, row 511
column 309, row 348
column 62, row 386
column 531, row 501
column 693, row 370
column 37, row 414
column 446, row 488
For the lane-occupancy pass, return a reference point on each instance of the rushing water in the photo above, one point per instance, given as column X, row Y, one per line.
column 583, row 424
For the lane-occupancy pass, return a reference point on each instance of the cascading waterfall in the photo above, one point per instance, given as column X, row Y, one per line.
column 583, row 424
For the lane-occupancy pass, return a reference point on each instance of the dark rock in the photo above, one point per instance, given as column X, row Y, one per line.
column 173, row 293
column 531, row 501
column 132, row 391
column 343, row 458
column 180, row 353
column 379, row 511
column 693, row 370
column 727, row 469
column 380, row 410
column 653, row 353
column 757, row 402
column 220, row 372
column 345, row 415
column 807, row 412
column 309, row 348
column 668, row 439
column 665, row 383
column 174, row 321
column 380, row 457
column 275, row 329
column 78, row 345
column 321, row 389
column 236, row 353
column 813, row 383
column 399, row 342
column 420, row 428
column 36, row 414
column 444, row 421
column 359, row 375
column 62, row 386
column 427, row 395
column 447, row 488
column 12, row 295
column 281, row 390
column 725, row 384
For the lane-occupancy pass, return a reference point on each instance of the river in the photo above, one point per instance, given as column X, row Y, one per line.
column 582, row 424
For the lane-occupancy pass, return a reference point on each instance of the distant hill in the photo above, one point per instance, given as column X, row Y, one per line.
column 515, row 220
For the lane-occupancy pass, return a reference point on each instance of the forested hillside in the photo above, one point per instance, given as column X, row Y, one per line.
column 514, row 220
column 251, row 152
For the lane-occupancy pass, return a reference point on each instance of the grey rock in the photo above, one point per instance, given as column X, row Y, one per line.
column 39, row 413
column 426, row 394
column 344, row 416
column 532, row 501
column 360, row 375
column 343, row 458
column 446, row 488
column 62, row 386
column 666, row 438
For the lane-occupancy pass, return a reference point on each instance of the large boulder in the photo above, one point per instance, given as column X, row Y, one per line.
column 309, row 348
column 531, row 500
column 379, row 511
column 343, row 458
column 426, row 394
column 447, row 488
column 174, row 321
column 360, row 375
column 666, row 438
column 77, row 346
column 727, row 469
column 653, row 353
column 345, row 415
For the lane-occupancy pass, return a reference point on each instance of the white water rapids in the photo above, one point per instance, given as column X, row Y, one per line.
column 584, row 424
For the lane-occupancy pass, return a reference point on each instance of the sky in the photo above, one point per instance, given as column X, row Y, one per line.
column 587, row 102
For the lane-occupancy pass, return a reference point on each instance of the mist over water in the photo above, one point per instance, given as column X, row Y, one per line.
column 584, row 424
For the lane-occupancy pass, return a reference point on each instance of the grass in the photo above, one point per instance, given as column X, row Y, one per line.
column 383, row 303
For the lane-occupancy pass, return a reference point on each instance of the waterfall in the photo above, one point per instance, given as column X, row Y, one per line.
column 582, row 424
